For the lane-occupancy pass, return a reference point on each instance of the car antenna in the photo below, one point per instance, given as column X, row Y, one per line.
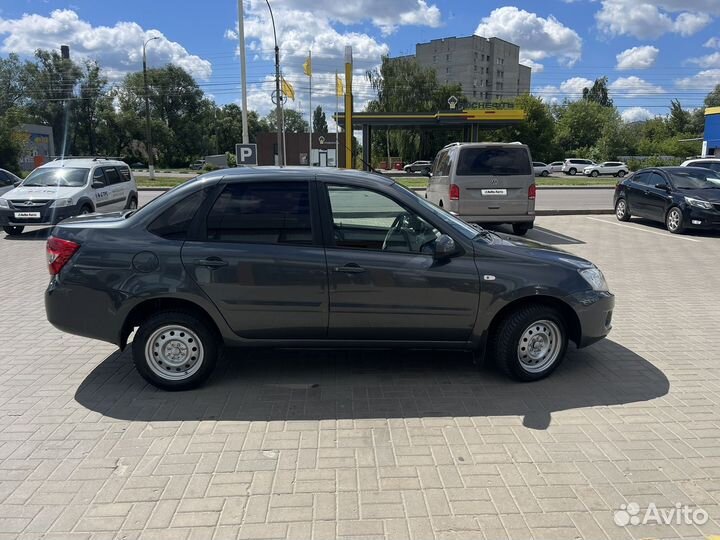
column 372, row 169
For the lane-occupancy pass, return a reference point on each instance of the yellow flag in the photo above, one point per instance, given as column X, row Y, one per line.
column 287, row 89
column 307, row 66
column 338, row 85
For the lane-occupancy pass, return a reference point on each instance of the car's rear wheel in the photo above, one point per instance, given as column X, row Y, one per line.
column 544, row 173
column 530, row 342
column 594, row 174
column 621, row 210
column 674, row 221
column 572, row 172
column 521, row 229
column 12, row 230
column 175, row 350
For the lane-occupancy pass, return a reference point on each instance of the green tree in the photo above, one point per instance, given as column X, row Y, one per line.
column 598, row 93
column 580, row 125
column 537, row 131
column 13, row 82
column 87, row 109
column 320, row 125
column 713, row 98
column 10, row 143
column 679, row 120
column 228, row 126
column 294, row 121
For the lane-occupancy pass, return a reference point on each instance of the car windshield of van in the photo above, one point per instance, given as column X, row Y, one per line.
column 57, row 177
column 696, row 179
column 494, row 161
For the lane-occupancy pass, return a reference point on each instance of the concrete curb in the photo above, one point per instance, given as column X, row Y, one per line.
column 584, row 212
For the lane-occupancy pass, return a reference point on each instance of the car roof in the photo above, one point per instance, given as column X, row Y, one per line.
column 703, row 160
column 81, row 162
column 272, row 172
column 675, row 169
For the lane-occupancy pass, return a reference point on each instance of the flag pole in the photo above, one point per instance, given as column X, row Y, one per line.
column 337, row 122
column 310, row 163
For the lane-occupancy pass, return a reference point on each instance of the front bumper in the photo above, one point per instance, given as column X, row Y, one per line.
column 697, row 218
column 594, row 310
column 48, row 215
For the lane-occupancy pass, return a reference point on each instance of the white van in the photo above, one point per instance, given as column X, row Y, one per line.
column 68, row 187
column 485, row 183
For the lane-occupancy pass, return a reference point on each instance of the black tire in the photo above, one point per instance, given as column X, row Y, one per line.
column 13, row 230
column 621, row 174
column 594, row 174
column 132, row 204
column 521, row 229
column 674, row 221
column 166, row 322
column 622, row 212
column 86, row 209
column 545, row 173
column 505, row 344
column 572, row 171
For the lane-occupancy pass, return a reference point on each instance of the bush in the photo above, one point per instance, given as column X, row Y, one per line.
column 210, row 167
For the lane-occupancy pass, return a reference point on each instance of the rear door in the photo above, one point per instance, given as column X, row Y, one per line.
column 438, row 187
column 258, row 255
column 494, row 180
column 116, row 200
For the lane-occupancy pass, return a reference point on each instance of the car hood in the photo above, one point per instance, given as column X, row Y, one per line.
column 538, row 250
column 711, row 195
column 23, row 192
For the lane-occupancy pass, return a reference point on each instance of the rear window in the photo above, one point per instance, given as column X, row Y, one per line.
column 494, row 161
column 174, row 222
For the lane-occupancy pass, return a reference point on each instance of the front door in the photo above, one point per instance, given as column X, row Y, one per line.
column 102, row 198
column 118, row 195
column 260, row 260
column 657, row 200
column 384, row 281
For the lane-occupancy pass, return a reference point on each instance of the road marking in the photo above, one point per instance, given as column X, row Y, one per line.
column 629, row 226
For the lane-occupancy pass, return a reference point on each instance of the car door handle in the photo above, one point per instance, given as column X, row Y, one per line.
column 350, row 268
column 211, row 262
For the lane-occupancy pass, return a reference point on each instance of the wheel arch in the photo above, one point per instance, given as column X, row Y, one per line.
column 148, row 307
column 86, row 201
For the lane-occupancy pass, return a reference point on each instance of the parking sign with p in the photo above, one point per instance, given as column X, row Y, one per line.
column 246, row 154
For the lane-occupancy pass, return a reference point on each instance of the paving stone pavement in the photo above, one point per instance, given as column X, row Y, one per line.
column 417, row 445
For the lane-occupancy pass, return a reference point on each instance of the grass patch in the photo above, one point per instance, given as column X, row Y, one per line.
column 575, row 181
column 160, row 182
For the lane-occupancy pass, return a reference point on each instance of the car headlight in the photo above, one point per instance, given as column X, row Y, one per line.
column 699, row 203
column 62, row 203
column 595, row 278
column 4, row 203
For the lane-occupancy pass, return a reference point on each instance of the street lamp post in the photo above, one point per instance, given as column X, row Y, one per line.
column 148, row 132
column 278, row 95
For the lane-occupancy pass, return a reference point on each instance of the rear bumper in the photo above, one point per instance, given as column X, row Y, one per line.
column 594, row 310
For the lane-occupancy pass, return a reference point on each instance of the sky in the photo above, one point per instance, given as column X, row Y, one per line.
column 652, row 51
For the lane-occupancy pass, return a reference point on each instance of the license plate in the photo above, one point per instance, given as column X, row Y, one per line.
column 494, row 192
column 27, row 215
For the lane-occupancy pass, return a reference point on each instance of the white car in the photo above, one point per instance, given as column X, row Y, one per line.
column 541, row 169
column 571, row 166
column 69, row 187
column 706, row 163
column 615, row 168
column 418, row 167
column 556, row 166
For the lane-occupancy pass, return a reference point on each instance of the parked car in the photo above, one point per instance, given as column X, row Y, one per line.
column 681, row 197
column 541, row 169
column 707, row 163
column 615, row 168
column 69, row 187
column 418, row 167
column 485, row 183
column 556, row 166
column 197, row 165
column 267, row 257
column 7, row 181
column 571, row 166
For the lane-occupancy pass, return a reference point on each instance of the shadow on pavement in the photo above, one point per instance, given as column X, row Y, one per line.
column 32, row 234
column 264, row 385
column 659, row 226
column 537, row 234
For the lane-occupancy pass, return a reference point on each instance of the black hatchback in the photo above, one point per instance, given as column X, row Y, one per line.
column 681, row 197
column 269, row 257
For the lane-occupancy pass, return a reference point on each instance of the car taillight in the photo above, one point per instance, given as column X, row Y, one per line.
column 59, row 252
column 454, row 192
column 532, row 191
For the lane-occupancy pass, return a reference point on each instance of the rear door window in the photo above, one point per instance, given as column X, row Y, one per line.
column 174, row 222
column 112, row 175
column 124, row 174
column 493, row 161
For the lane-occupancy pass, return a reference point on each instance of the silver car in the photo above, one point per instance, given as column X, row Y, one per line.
column 541, row 169
column 485, row 183
column 614, row 168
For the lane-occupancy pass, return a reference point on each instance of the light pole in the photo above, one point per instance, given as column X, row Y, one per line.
column 148, row 132
column 278, row 95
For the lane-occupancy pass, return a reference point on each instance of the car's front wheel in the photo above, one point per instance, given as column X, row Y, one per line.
column 621, row 174
column 621, row 210
column 594, row 174
column 175, row 350
column 530, row 342
column 674, row 221
column 12, row 230
column 545, row 174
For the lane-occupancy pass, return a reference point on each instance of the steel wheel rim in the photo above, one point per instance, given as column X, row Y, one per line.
column 174, row 352
column 539, row 346
column 673, row 220
column 620, row 210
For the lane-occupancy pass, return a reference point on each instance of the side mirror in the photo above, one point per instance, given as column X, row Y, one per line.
column 444, row 247
column 663, row 186
column 98, row 185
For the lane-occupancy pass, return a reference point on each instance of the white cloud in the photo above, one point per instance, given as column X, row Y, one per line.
column 712, row 43
column 634, row 87
column 707, row 61
column 636, row 114
column 575, row 86
column 537, row 37
column 637, row 57
column 703, row 81
column 535, row 66
column 649, row 19
column 118, row 49
column 571, row 89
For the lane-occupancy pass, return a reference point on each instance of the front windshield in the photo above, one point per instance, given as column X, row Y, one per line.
column 57, row 177
column 467, row 230
column 696, row 179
